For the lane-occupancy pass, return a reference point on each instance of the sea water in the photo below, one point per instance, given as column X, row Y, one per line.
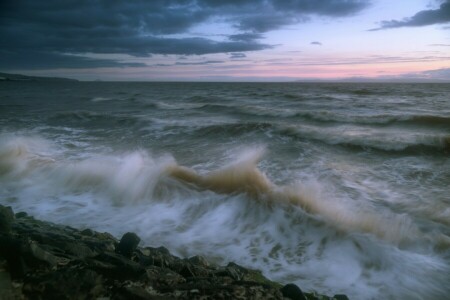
column 337, row 187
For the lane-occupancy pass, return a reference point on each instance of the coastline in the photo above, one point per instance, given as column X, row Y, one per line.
column 42, row 260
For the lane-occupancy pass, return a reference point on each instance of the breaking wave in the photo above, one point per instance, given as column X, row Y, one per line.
column 137, row 176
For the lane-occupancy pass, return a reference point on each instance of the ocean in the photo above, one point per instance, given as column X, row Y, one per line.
column 337, row 187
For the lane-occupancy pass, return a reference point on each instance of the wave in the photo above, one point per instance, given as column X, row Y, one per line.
column 233, row 128
column 21, row 155
column 428, row 120
column 397, row 141
column 332, row 116
column 130, row 177
column 222, row 108
column 243, row 176
column 101, row 99
column 176, row 106
column 88, row 116
column 137, row 176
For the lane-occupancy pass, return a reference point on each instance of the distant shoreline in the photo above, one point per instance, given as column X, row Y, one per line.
column 19, row 77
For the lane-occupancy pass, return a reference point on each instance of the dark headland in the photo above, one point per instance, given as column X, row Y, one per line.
column 42, row 260
column 19, row 77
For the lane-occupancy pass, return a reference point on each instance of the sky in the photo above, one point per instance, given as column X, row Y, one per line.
column 234, row 40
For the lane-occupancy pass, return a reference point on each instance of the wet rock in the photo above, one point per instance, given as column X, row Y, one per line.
column 163, row 278
column 116, row 266
column 21, row 214
column 128, row 244
column 87, row 232
column 69, row 283
column 159, row 257
column 78, row 250
column 199, row 260
column 135, row 292
column 6, row 218
column 293, row 292
column 340, row 297
column 232, row 270
column 34, row 254
column 11, row 251
column 42, row 260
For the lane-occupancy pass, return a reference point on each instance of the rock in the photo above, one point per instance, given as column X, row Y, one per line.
column 115, row 266
column 293, row 292
column 128, row 244
column 68, row 283
column 42, row 260
column 6, row 218
column 154, row 257
column 340, row 297
column 38, row 255
column 136, row 293
column 78, row 250
column 11, row 250
column 87, row 232
column 21, row 214
column 163, row 278
column 199, row 260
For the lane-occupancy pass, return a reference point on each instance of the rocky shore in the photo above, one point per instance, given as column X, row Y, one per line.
column 42, row 260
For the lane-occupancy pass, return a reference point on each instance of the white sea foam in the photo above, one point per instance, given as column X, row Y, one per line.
column 101, row 99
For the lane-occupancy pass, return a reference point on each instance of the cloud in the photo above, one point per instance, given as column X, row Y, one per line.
column 422, row 18
column 316, row 43
column 38, row 60
column 245, row 37
column 332, row 8
column 208, row 62
column 367, row 60
column 266, row 22
column 439, row 74
column 237, row 55
column 67, row 30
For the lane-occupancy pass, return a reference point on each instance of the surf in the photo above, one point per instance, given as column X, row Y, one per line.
column 243, row 176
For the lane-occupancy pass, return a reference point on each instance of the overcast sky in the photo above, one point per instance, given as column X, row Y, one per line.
column 226, row 40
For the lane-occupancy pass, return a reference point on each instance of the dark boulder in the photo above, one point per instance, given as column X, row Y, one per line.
column 21, row 214
column 340, row 297
column 293, row 292
column 128, row 244
column 6, row 218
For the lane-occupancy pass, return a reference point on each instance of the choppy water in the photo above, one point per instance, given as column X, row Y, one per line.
column 340, row 188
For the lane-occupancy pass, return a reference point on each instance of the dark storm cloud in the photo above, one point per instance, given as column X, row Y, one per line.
column 267, row 22
column 50, row 30
column 422, row 18
column 332, row 8
column 37, row 60
column 245, row 37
